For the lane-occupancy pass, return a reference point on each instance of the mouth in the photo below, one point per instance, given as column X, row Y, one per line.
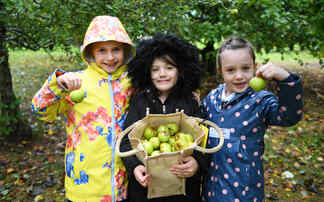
column 240, row 85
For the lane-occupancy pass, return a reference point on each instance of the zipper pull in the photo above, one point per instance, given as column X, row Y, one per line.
column 163, row 109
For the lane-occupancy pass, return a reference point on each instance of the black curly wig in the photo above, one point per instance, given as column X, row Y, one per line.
column 182, row 53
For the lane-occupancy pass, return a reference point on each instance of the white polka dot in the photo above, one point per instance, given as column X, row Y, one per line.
column 239, row 155
column 232, row 130
column 212, row 97
column 216, row 166
column 298, row 97
column 237, row 114
column 256, row 153
column 224, row 191
column 215, row 102
column 229, row 160
column 243, row 146
column 226, row 176
column 253, row 95
column 236, row 184
column 261, row 157
column 291, row 83
column 209, row 194
column 210, row 115
column 259, row 185
column 243, row 192
column 237, row 170
column 299, row 111
column 243, row 137
column 245, row 123
column 207, row 108
column 215, row 179
column 212, row 178
column 246, row 106
column 212, row 164
column 208, row 141
column 258, row 101
column 253, row 164
column 222, row 119
column 213, row 193
column 229, row 106
column 283, row 108
column 259, row 172
column 229, row 145
column 237, row 200
column 257, row 115
column 247, row 188
column 255, row 130
column 255, row 199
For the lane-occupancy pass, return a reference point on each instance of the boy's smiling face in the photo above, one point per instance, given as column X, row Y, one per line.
column 109, row 55
column 237, row 69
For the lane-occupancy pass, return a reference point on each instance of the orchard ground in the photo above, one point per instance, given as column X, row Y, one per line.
column 33, row 170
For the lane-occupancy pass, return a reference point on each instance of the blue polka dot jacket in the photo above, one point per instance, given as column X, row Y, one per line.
column 236, row 171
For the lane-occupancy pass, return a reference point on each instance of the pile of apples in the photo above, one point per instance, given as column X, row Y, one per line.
column 165, row 138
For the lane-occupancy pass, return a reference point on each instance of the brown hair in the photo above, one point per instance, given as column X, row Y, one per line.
column 233, row 43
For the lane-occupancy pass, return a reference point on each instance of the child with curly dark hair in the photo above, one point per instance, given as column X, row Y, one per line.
column 165, row 72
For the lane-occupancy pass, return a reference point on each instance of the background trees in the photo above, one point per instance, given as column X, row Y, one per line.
column 277, row 25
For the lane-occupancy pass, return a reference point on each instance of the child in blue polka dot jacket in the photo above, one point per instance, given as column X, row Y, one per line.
column 236, row 171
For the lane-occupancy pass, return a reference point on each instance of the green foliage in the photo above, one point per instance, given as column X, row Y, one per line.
column 7, row 119
column 277, row 25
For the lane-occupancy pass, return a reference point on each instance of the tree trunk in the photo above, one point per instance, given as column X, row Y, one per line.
column 11, row 124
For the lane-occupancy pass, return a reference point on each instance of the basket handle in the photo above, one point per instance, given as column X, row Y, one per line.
column 130, row 152
column 219, row 131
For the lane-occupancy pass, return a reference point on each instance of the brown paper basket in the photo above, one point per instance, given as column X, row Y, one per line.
column 164, row 183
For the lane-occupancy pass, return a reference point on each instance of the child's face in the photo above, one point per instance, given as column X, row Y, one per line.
column 164, row 75
column 108, row 55
column 237, row 69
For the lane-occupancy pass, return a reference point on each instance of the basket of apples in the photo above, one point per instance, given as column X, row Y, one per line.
column 160, row 141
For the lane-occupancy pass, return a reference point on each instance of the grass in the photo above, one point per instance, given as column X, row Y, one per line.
column 296, row 149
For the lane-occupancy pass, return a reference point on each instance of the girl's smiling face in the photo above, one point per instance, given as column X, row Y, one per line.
column 237, row 68
column 164, row 75
column 109, row 55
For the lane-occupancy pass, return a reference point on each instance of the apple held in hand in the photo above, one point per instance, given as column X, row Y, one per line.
column 148, row 147
column 258, row 83
column 77, row 96
column 155, row 142
column 149, row 132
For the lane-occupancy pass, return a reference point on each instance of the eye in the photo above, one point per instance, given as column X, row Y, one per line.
column 246, row 68
column 154, row 69
column 171, row 67
column 116, row 49
column 230, row 70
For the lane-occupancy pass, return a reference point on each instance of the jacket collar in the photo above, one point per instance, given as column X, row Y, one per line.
column 115, row 75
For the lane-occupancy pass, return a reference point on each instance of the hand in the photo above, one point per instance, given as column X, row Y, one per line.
column 271, row 71
column 69, row 81
column 187, row 169
column 141, row 176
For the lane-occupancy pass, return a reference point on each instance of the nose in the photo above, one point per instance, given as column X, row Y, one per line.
column 162, row 72
column 110, row 55
column 239, row 75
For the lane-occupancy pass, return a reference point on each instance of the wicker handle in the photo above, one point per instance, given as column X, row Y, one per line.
column 130, row 152
column 219, row 131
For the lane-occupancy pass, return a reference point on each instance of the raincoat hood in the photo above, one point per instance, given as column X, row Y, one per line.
column 106, row 28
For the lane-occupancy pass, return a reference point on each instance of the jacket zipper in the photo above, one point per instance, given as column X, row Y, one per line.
column 112, row 177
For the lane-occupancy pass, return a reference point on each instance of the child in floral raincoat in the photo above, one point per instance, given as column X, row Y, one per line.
column 236, row 171
column 93, row 171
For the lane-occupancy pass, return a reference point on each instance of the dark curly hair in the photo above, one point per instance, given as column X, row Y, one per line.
column 182, row 53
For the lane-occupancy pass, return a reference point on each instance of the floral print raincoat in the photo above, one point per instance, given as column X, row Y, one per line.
column 93, row 172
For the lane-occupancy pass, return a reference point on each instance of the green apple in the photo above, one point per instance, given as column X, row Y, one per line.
column 155, row 152
column 183, row 140
column 163, row 137
column 77, row 96
column 163, row 128
column 173, row 128
column 149, row 132
column 189, row 137
column 165, row 147
column 234, row 11
column 172, row 140
column 258, row 83
column 155, row 142
column 148, row 147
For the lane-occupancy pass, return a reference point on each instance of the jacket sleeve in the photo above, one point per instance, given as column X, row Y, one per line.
column 50, row 100
column 286, row 109
column 133, row 115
